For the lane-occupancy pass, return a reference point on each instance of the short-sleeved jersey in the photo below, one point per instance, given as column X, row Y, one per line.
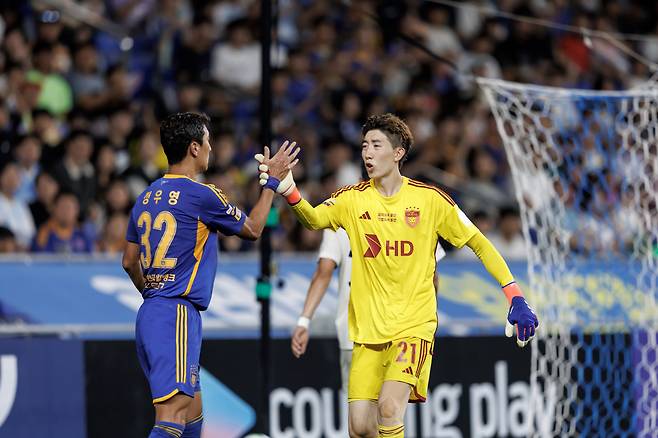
column 175, row 221
column 393, row 241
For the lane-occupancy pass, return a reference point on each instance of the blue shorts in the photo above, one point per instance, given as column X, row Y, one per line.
column 168, row 336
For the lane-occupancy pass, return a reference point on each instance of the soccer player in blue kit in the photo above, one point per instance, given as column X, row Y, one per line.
column 171, row 257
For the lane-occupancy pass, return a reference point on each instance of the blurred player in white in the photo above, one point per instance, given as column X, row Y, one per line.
column 334, row 252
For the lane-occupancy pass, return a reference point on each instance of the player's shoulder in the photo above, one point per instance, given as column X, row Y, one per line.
column 430, row 190
column 214, row 192
column 352, row 188
column 203, row 190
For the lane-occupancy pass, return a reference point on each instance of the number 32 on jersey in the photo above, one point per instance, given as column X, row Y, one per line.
column 164, row 220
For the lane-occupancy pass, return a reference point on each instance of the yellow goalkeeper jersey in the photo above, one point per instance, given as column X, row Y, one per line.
column 393, row 241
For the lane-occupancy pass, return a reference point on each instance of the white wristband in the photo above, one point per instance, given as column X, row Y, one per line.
column 303, row 322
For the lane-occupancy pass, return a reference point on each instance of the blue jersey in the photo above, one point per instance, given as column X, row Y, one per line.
column 175, row 221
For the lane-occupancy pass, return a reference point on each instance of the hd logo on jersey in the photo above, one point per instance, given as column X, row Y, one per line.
column 402, row 248
column 412, row 216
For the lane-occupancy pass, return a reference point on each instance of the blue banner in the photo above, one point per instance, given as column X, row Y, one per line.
column 470, row 301
column 41, row 388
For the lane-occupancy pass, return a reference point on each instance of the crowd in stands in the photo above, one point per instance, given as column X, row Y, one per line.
column 79, row 113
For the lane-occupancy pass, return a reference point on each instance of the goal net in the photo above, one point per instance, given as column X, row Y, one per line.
column 585, row 170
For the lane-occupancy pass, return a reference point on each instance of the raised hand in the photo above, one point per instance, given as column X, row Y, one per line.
column 276, row 172
column 281, row 163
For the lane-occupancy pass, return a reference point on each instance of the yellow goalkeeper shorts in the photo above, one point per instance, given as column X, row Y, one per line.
column 407, row 360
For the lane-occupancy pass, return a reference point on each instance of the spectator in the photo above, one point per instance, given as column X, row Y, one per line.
column 117, row 198
column 61, row 233
column 483, row 177
column 507, row 236
column 113, row 238
column 339, row 160
column 192, row 59
column 87, row 79
column 74, row 172
column 28, row 154
column 121, row 86
column 145, row 171
column 46, row 191
column 48, row 129
column 119, row 131
column 22, row 98
column 8, row 244
column 17, row 47
column 14, row 212
column 189, row 97
column 436, row 31
column 106, row 168
column 236, row 62
column 55, row 93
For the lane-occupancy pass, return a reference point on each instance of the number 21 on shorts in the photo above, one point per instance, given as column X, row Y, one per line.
column 403, row 348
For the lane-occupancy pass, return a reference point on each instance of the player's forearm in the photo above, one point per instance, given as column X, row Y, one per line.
column 311, row 217
column 257, row 218
column 491, row 258
column 316, row 292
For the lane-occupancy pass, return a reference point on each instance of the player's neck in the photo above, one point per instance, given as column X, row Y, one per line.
column 183, row 169
column 390, row 184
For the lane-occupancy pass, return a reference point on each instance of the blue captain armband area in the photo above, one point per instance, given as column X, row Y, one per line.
column 271, row 183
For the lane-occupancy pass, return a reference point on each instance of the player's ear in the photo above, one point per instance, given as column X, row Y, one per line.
column 194, row 148
column 399, row 153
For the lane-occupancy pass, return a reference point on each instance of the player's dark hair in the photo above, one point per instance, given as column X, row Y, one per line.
column 397, row 132
column 179, row 130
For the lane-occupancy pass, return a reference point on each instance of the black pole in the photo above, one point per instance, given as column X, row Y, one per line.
column 263, row 424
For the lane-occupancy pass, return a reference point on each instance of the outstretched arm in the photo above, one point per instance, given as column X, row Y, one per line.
column 316, row 291
column 520, row 313
column 255, row 222
column 313, row 218
column 491, row 259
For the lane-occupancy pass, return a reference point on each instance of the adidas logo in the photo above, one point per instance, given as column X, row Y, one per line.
column 365, row 215
column 408, row 370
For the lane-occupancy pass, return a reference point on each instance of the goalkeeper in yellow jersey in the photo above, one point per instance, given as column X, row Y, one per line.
column 393, row 224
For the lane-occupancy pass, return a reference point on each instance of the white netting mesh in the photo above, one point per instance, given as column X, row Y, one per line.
column 585, row 168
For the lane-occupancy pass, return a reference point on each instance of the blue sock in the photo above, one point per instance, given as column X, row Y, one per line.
column 193, row 428
column 165, row 429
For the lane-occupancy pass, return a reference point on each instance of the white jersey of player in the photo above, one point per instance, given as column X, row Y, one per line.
column 336, row 246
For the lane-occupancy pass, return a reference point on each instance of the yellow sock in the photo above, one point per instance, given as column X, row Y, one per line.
column 396, row 431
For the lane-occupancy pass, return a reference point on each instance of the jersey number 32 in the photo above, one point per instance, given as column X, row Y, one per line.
column 163, row 219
